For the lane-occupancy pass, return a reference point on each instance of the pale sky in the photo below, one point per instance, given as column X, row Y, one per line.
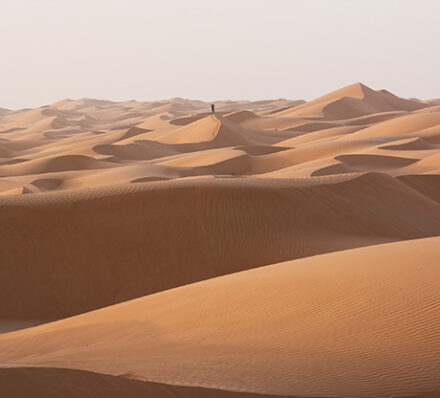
column 223, row 49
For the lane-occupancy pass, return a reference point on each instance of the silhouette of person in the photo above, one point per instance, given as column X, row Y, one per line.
column 212, row 108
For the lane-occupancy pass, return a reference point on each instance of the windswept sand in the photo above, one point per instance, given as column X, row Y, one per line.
column 285, row 248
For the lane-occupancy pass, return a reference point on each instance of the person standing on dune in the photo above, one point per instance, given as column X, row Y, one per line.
column 212, row 108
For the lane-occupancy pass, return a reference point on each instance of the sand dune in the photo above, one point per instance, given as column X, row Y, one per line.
column 116, row 136
column 410, row 144
column 140, row 150
column 222, row 226
column 404, row 125
column 363, row 320
column 276, row 247
column 240, row 116
column 218, row 131
column 368, row 162
column 351, row 101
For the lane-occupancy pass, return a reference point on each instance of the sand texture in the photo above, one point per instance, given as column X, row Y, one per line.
column 274, row 248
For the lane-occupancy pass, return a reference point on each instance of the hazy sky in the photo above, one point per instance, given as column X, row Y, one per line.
column 223, row 49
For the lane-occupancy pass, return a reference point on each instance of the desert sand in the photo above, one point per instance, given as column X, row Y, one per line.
column 274, row 248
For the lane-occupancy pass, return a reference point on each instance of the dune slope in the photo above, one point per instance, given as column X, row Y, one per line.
column 363, row 322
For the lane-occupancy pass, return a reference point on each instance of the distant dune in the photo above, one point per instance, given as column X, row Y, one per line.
column 274, row 248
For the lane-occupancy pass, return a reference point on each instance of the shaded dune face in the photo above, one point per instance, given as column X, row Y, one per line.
column 274, row 248
column 91, row 244
column 38, row 382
